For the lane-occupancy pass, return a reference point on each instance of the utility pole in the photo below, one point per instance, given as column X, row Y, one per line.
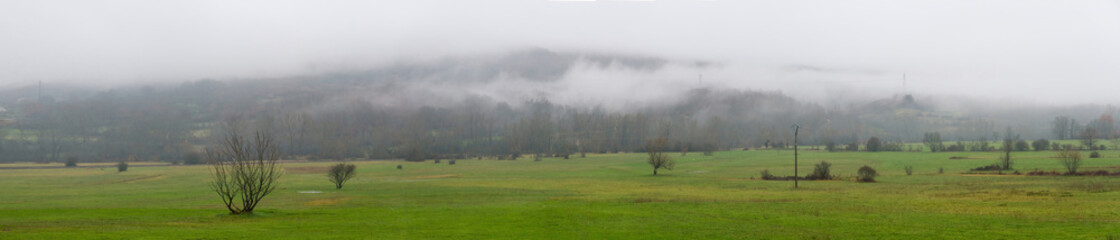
column 795, row 130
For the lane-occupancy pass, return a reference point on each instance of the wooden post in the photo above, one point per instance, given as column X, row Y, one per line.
column 795, row 129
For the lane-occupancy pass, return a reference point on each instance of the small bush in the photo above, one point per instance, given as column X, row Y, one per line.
column 866, row 174
column 399, row 167
column 958, row 147
column 122, row 166
column 993, row 167
column 1041, row 144
column 766, row 174
column 71, row 161
column 451, row 162
column 1094, row 154
column 909, row 170
column 821, row 171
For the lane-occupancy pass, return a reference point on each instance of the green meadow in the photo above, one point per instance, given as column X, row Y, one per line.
column 610, row 196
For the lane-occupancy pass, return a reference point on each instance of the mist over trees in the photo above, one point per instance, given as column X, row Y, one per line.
column 388, row 113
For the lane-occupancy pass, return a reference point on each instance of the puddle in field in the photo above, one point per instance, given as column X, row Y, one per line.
column 310, row 192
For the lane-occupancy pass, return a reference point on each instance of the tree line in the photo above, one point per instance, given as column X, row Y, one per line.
column 321, row 118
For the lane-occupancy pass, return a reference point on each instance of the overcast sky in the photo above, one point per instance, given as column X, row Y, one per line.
column 1032, row 50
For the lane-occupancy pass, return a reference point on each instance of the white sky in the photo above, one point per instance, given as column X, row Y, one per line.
column 1045, row 51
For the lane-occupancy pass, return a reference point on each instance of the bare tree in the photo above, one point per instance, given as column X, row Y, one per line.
column 874, row 144
column 295, row 126
column 342, row 172
column 1008, row 144
column 244, row 170
column 933, row 140
column 1115, row 140
column 657, row 157
column 1089, row 137
column 1071, row 159
column 1062, row 127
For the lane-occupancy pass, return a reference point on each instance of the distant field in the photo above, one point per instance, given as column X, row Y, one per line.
column 80, row 165
column 609, row 196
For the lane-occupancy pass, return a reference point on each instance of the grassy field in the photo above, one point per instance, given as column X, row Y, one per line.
column 599, row 197
column 80, row 165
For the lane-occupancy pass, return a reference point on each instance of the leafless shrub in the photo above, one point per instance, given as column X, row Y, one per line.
column 657, row 157
column 866, row 174
column 1071, row 159
column 244, row 170
column 766, row 175
column 821, row 171
column 340, row 173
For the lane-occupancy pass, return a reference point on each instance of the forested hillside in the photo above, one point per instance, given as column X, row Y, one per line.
column 450, row 108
